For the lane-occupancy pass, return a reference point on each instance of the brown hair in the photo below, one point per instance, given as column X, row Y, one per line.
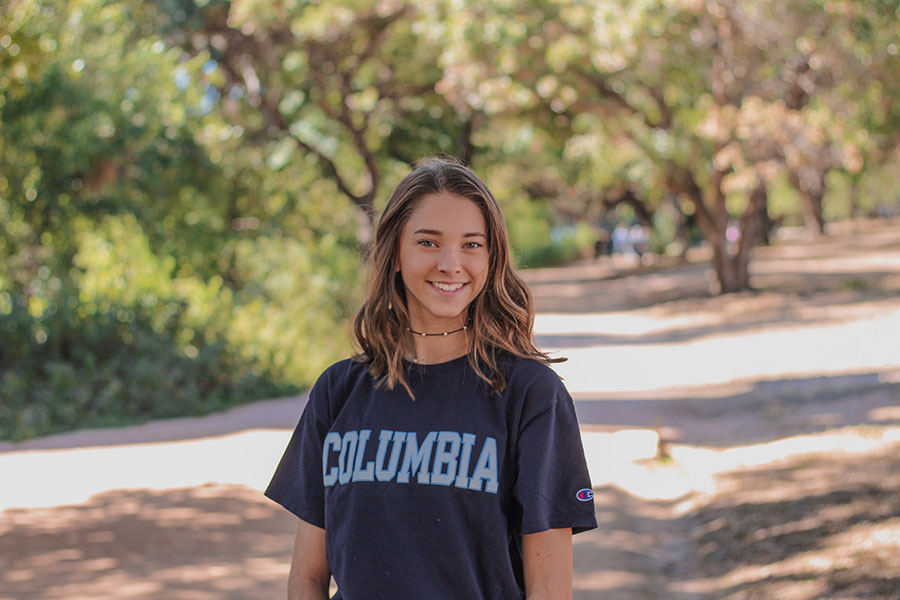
column 502, row 315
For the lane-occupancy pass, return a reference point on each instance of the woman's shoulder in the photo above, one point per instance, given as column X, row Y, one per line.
column 533, row 388
column 330, row 391
column 343, row 372
column 530, row 373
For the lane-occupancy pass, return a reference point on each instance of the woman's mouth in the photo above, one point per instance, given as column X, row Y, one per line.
column 446, row 287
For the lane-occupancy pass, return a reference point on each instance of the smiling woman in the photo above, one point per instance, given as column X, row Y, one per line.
column 443, row 262
column 442, row 197
column 444, row 460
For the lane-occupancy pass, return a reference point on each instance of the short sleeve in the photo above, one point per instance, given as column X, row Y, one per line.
column 298, row 484
column 552, row 486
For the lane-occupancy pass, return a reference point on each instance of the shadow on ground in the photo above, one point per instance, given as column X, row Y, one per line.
column 148, row 545
column 779, row 311
column 768, row 410
column 826, row 523
column 637, row 552
column 689, row 283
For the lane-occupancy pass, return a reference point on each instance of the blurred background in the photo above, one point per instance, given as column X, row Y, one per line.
column 186, row 187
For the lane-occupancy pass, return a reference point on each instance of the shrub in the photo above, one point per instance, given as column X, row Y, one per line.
column 61, row 371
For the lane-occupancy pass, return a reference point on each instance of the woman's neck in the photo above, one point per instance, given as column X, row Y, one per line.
column 432, row 349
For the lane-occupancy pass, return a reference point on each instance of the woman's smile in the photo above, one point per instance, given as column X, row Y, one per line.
column 447, row 288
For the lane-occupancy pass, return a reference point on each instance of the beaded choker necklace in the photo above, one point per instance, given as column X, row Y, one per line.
column 423, row 334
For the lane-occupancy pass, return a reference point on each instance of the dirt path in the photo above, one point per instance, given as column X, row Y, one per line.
column 737, row 391
column 801, row 377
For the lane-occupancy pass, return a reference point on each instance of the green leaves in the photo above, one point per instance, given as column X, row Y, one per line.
column 193, row 178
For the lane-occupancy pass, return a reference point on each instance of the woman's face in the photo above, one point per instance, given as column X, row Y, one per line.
column 443, row 260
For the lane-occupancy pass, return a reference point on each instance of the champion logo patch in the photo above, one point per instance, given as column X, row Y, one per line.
column 585, row 495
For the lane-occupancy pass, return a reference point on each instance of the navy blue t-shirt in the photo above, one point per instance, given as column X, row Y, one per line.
column 429, row 498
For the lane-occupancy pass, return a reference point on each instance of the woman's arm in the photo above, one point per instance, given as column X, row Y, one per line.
column 547, row 562
column 310, row 575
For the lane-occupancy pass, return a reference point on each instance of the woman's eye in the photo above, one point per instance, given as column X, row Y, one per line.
column 427, row 243
column 472, row 245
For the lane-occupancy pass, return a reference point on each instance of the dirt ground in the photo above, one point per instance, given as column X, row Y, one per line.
column 741, row 447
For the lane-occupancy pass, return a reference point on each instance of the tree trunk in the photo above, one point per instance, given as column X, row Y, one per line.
column 730, row 275
column 765, row 225
column 853, row 196
column 813, row 215
column 730, row 262
column 755, row 223
column 810, row 184
column 682, row 226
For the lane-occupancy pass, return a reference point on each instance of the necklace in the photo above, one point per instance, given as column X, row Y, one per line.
column 423, row 334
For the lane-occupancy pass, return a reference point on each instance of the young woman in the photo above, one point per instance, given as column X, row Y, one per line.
column 443, row 461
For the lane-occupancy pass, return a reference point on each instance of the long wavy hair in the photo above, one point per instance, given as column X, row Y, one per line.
column 500, row 318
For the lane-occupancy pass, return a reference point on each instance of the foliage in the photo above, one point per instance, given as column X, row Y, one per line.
column 706, row 102
column 144, row 241
column 62, row 371
column 185, row 185
column 536, row 242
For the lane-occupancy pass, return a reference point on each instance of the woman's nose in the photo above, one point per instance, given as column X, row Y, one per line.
column 449, row 261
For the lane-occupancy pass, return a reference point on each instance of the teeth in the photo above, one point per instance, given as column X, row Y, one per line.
column 447, row 287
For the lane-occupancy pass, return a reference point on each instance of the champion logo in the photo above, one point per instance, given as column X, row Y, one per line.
column 585, row 495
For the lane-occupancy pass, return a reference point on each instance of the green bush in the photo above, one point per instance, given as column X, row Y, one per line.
column 63, row 371
column 535, row 242
column 120, row 332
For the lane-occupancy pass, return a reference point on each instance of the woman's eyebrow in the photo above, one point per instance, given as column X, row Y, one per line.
column 436, row 232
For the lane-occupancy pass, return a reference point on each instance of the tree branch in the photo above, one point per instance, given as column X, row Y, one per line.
column 600, row 83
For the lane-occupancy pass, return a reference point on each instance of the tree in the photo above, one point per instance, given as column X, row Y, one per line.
column 685, row 82
column 336, row 82
column 151, row 260
column 867, row 100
